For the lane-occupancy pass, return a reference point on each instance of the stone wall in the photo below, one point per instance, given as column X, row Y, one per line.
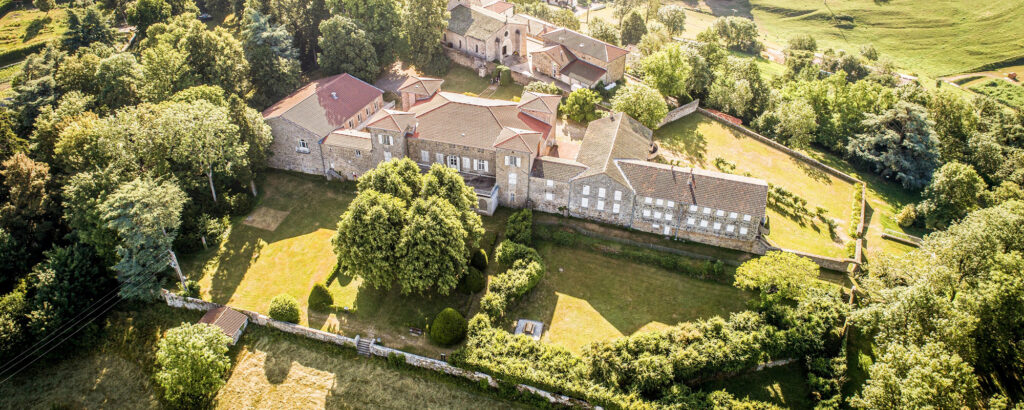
column 591, row 211
column 418, row 145
column 283, row 149
column 348, row 162
column 680, row 112
column 182, row 302
column 513, row 195
column 465, row 60
column 836, row 264
column 559, row 191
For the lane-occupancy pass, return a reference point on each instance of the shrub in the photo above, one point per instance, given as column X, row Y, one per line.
column 564, row 238
column 239, row 204
column 191, row 289
column 907, row 216
column 479, row 260
column 581, row 105
column 509, row 252
column 285, row 308
column 504, row 74
column 858, row 195
column 542, row 232
column 510, row 285
column 396, row 360
column 449, row 327
column 192, row 360
column 519, row 227
column 473, row 281
column 543, row 88
column 320, row 298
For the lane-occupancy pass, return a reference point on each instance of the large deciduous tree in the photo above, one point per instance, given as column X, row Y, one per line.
column 435, row 247
column 368, row 238
column 87, row 26
column 146, row 214
column 633, row 29
column 425, row 21
column 641, row 102
column 346, row 49
column 955, row 190
column 673, row 16
column 381, row 19
column 735, row 33
column 273, row 60
column 146, row 13
column 581, row 105
column 191, row 361
column 27, row 203
column 206, row 139
column 777, row 276
column 601, row 30
column 667, row 70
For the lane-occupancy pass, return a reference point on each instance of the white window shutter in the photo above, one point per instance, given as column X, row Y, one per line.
column 485, row 166
column 508, row 160
column 476, row 164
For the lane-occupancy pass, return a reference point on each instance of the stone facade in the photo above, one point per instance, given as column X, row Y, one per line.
column 594, row 197
column 465, row 157
column 513, row 176
column 294, row 148
column 348, row 162
column 548, row 195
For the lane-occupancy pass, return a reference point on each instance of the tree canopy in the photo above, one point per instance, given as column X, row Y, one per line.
column 346, row 49
column 641, row 102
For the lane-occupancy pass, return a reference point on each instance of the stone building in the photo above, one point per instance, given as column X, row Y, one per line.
column 485, row 30
column 578, row 59
column 307, row 119
column 507, row 152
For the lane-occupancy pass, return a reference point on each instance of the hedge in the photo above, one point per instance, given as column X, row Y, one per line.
column 858, row 196
column 519, row 227
column 510, row 285
column 15, row 55
column 473, row 281
column 448, row 328
column 509, row 252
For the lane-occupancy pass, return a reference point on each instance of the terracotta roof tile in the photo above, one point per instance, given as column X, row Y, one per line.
column 229, row 321
column 581, row 43
column 470, row 121
column 324, row 105
column 546, row 103
column 476, row 22
column 349, row 139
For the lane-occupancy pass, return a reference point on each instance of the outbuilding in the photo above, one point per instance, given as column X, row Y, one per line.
column 230, row 321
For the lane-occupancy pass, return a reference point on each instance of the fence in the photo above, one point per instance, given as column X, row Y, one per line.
column 184, row 302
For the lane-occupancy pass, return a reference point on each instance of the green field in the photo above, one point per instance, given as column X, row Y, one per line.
column 270, row 370
column 256, row 263
column 464, row 80
column 698, row 140
column 586, row 297
column 783, row 386
column 20, row 29
column 1008, row 93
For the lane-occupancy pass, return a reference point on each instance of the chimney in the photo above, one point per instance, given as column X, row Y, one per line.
column 334, row 95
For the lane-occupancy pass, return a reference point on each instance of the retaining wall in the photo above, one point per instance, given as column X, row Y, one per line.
column 183, row 302
column 836, row 264
column 680, row 112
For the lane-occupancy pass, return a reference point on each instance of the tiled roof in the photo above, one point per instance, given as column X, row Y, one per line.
column 229, row 321
column 617, row 136
column 391, row 120
column 580, row 43
column 475, row 22
column 499, row 6
column 557, row 169
column 546, row 103
column 558, row 54
column 519, row 140
column 470, row 121
column 424, row 86
column 324, row 105
column 715, row 190
column 584, row 71
column 349, row 139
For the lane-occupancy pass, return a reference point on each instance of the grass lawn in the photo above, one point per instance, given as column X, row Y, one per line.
column 18, row 31
column 464, row 80
column 596, row 297
column 254, row 264
column 1008, row 93
column 270, row 370
column 784, row 386
column 698, row 140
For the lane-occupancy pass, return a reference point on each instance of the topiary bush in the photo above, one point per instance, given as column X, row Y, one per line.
column 285, row 308
column 473, row 281
column 479, row 260
column 519, row 227
column 449, row 327
column 320, row 298
column 509, row 252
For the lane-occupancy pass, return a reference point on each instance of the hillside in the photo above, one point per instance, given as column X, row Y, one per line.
column 930, row 37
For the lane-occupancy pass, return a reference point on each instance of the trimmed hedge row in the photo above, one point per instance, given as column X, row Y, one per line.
column 510, row 285
column 15, row 55
column 858, row 196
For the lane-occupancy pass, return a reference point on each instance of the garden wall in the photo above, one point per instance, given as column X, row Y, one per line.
column 836, row 264
column 680, row 112
column 183, row 302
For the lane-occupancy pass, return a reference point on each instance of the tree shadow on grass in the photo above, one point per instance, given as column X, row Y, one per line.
column 817, row 174
column 740, row 8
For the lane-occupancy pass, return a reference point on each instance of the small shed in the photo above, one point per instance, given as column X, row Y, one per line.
column 530, row 328
column 230, row 321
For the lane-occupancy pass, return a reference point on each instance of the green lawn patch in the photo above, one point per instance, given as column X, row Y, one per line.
column 784, row 386
column 23, row 32
column 586, row 297
column 270, row 369
column 1008, row 93
column 697, row 140
column 284, row 246
column 465, row 80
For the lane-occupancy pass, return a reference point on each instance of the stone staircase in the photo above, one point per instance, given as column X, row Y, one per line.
column 363, row 346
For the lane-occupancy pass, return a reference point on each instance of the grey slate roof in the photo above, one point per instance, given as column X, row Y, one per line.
column 715, row 190
column 475, row 22
column 617, row 136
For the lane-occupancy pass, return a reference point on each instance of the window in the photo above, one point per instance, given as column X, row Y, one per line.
column 385, row 139
column 350, row 123
column 647, row 213
column 387, row 156
column 657, row 215
column 648, row 200
column 549, row 196
column 720, row 213
column 693, row 208
column 512, row 179
column 550, row 183
column 746, row 218
column 600, row 205
column 668, row 216
column 585, row 202
column 730, row 228
column 511, row 196
column 703, row 223
column 600, row 192
column 671, row 204
column 718, row 225
column 359, row 117
column 615, row 208
column 743, row 230
column 367, row 112
column 512, row 160
column 453, row 161
column 690, row 221
column 586, row 190
column 359, row 154
column 707, row 211
column 732, row 215
column 439, row 157
column 465, row 163
column 424, row 156
column 618, row 195
column 303, row 144
column 483, row 164
column 660, row 202
column 655, row 226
